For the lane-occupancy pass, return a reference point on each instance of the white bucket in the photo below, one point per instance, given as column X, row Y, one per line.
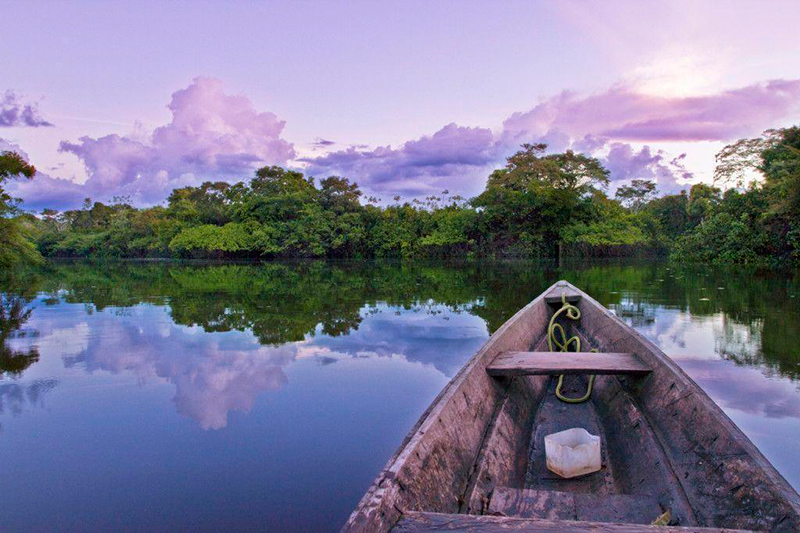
column 573, row 452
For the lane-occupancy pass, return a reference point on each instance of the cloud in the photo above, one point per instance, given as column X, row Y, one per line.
column 212, row 135
column 8, row 146
column 420, row 166
column 14, row 398
column 625, row 163
column 217, row 136
column 322, row 143
column 621, row 113
column 14, row 112
column 744, row 389
column 44, row 190
column 212, row 376
column 443, row 339
column 603, row 125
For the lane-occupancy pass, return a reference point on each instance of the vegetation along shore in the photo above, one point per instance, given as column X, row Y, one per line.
column 539, row 205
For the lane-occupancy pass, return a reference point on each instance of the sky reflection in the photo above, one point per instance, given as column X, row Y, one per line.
column 247, row 397
column 216, row 373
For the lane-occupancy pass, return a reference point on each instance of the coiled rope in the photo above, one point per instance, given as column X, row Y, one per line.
column 557, row 338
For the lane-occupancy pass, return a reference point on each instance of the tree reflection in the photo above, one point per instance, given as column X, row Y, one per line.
column 14, row 397
column 13, row 315
column 291, row 301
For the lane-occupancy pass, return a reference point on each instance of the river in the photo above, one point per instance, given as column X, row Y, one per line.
column 239, row 396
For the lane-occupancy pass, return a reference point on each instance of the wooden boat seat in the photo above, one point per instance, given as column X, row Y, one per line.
column 413, row 522
column 557, row 363
column 559, row 505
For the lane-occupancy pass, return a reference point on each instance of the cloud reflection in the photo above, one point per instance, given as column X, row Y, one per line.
column 444, row 340
column 744, row 389
column 216, row 373
column 219, row 350
column 212, row 374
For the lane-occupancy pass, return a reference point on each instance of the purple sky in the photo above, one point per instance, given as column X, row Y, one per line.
column 405, row 98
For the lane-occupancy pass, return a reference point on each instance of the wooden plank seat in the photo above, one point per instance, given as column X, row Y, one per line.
column 560, row 505
column 557, row 363
column 414, row 522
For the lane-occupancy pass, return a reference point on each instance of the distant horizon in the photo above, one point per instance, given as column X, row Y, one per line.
column 404, row 99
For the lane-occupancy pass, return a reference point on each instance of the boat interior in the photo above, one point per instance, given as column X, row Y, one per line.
column 669, row 456
column 635, row 483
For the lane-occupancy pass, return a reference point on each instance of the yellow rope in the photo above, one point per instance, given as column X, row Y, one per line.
column 563, row 344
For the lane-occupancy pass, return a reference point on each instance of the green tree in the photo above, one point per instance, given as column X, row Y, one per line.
column 703, row 198
column 756, row 224
column 15, row 243
column 637, row 194
column 780, row 164
column 339, row 195
column 207, row 204
column 527, row 203
column 671, row 214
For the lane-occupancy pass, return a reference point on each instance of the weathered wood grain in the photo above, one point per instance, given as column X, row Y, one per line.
column 557, row 363
column 504, row 459
column 435, row 465
column 416, row 522
column 663, row 438
column 724, row 477
column 562, row 291
column 557, row 505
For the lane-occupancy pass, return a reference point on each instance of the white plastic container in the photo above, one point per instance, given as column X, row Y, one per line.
column 573, row 452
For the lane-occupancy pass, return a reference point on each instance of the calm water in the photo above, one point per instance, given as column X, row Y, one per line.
column 141, row 396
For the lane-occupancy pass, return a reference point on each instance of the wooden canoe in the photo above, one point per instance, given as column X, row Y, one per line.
column 475, row 459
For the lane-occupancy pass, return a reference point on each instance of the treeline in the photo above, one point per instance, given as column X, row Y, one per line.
column 755, row 222
column 537, row 206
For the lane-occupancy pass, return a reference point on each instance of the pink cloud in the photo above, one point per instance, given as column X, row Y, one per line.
column 624, row 163
column 217, row 136
column 601, row 125
column 45, row 191
column 744, row 389
column 212, row 135
column 212, row 378
column 621, row 113
column 14, row 112
column 42, row 191
column 418, row 167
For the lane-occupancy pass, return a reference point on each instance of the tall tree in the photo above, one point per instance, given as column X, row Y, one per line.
column 15, row 246
column 339, row 195
column 780, row 163
column 530, row 167
column 775, row 155
column 637, row 194
column 527, row 203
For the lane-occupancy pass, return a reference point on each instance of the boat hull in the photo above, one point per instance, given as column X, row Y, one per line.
column 479, row 448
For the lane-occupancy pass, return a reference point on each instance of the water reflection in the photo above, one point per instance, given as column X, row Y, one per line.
column 14, row 398
column 424, row 313
column 745, row 389
column 277, row 372
column 211, row 376
column 14, row 313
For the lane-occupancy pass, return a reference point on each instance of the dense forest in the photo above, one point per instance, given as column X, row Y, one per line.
column 538, row 206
